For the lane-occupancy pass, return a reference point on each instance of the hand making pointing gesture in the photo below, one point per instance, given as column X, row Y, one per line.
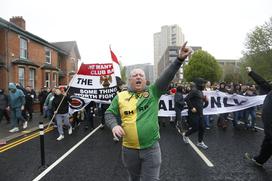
column 184, row 52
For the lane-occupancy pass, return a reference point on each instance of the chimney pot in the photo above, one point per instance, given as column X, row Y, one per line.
column 19, row 21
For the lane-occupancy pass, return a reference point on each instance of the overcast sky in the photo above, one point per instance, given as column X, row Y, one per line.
column 219, row 26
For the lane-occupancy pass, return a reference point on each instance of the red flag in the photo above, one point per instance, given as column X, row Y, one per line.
column 116, row 64
column 113, row 57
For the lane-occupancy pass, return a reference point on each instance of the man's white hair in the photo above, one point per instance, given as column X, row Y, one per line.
column 134, row 70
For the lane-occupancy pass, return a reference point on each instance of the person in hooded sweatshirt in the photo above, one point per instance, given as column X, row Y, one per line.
column 196, row 101
column 61, row 111
column 16, row 100
column 266, row 148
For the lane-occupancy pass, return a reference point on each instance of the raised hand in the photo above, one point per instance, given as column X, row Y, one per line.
column 184, row 52
column 248, row 69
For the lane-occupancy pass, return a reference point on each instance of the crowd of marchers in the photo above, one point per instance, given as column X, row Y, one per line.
column 247, row 117
column 17, row 108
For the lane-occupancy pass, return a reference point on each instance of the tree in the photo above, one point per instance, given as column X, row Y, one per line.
column 258, row 53
column 260, row 39
column 202, row 64
column 231, row 73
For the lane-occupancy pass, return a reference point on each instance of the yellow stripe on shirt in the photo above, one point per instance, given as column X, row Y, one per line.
column 128, row 112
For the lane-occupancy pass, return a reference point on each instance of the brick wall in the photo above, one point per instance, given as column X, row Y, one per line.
column 36, row 54
column 10, row 51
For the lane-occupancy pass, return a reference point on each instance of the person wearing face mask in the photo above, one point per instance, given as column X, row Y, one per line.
column 195, row 101
column 16, row 100
column 138, row 109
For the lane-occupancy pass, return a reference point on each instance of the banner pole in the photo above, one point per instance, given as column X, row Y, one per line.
column 63, row 98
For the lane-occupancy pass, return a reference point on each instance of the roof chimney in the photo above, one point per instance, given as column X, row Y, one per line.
column 19, row 21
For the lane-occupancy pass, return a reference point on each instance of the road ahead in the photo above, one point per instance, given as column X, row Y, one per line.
column 99, row 158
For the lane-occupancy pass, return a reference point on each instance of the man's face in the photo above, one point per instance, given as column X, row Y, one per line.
column 57, row 91
column 137, row 80
column 28, row 89
column 208, row 84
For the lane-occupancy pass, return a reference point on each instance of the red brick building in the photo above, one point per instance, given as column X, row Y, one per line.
column 32, row 61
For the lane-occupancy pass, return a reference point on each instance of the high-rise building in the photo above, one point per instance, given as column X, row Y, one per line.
column 168, row 36
column 170, row 54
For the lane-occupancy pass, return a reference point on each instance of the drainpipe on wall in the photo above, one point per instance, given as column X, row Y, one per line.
column 8, row 75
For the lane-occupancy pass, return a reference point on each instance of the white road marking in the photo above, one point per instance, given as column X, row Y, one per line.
column 202, row 156
column 65, row 155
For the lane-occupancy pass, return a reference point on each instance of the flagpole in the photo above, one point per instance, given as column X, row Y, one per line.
column 65, row 94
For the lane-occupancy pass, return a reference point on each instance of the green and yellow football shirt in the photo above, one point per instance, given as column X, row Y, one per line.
column 139, row 115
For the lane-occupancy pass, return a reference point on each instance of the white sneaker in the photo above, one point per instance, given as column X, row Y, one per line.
column 25, row 125
column 60, row 137
column 70, row 131
column 185, row 138
column 202, row 145
column 13, row 130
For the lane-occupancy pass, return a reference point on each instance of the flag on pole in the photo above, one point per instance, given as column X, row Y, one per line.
column 116, row 64
column 93, row 82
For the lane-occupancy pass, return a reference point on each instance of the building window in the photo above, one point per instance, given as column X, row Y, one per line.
column 47, row 79
column 54, row 81
column 73, row 68
column 58, row 66
column 32, row 78
column 23, row 48
column 47, row 56
column 21, row 77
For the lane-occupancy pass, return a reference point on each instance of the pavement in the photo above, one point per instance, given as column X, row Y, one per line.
column 6, row 136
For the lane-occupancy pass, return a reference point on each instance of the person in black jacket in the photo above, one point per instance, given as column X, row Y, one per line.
column 179, row 104
column 266, row 148
column 61, row 112
column 222, row 121
column 3, row 106
column 42, row 97
column 89, row 116
column 29, row 97
column 195, row 101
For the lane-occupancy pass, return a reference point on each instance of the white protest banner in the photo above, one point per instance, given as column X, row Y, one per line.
column 93, row 82
column 219, row 102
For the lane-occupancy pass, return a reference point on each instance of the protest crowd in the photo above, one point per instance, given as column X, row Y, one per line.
column 46, row 96
column 16, row 106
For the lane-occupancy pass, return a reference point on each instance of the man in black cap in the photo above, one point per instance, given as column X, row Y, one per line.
column 195, row 101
